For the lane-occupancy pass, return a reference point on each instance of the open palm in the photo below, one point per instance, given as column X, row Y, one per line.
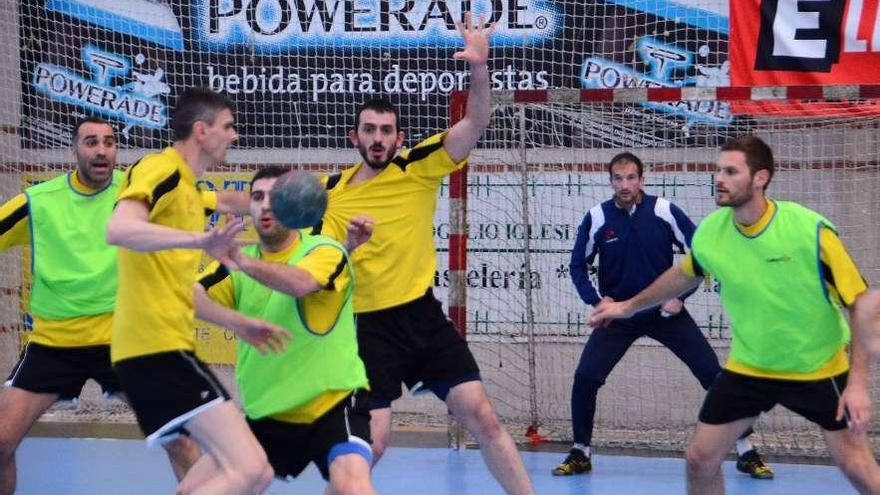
column 476, row 40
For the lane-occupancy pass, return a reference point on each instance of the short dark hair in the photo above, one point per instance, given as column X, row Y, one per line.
column 193, row 105
column 269, row 172
column 626, row 157
column 759, row 156
column 91, row 119
column 379, row 105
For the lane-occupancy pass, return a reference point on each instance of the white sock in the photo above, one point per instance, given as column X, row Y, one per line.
column 583, row 448
column 743, row 445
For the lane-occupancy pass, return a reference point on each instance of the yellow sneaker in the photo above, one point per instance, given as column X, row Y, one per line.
column 575, row 463
column 751, row 464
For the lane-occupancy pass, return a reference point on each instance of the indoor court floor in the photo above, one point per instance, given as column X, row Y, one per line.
column 73, row 466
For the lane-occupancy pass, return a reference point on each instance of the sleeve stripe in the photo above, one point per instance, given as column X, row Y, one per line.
column 165, row 187
column 214, row 278
column 18, row 215
column 663, row 211
column 827, row 274
column 597, row 221
column 333, row 180
column 416, row 154
column 130, row 170
column 333, row 276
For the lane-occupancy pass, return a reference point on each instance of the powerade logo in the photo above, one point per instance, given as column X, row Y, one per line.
column 132, row 102
column 280, row 25
column 668, row 63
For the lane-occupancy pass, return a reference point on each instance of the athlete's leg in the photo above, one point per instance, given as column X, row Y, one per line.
column 705, row 452
column 380, row 431
column 241, row 464
column 853, row 455
column 470, row 405
column 350, row 475
column 19, row 409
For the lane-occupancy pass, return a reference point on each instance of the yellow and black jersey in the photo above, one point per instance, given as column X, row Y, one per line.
column 397, row 264
column 80, row 331
column 154, row 306
column 326, row 265
column 842, row 278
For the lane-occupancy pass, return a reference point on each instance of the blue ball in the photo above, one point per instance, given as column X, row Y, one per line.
column 298, row 200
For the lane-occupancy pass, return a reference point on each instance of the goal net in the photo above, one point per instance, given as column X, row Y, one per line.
column 542, row 165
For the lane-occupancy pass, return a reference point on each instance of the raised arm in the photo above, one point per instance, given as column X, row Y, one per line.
column 463, row 136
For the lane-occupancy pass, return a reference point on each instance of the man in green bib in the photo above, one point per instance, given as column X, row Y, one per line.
column 73, row 293
column 784, row 276
column 308, row 403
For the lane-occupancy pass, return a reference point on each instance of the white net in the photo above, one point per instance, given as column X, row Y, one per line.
column 542, row 166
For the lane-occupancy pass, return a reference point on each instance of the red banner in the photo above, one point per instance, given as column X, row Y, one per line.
column 793, row 42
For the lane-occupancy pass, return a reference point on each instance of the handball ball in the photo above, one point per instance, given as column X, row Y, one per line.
column 298, row 200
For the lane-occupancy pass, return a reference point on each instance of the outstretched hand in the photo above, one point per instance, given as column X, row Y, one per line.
column 360, row 229
column 476, row 40
column 264, row 336
column 221, row 243
column 607, row 311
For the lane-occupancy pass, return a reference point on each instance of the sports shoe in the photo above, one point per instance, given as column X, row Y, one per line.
column 751, row 464
column 575, row 463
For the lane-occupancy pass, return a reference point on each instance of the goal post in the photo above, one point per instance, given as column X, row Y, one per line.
column 513, row 216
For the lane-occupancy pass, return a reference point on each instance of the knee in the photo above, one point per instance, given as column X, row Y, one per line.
column 485, row 422
column 266, row 475
column 254, row 476
column 586, row 379
column 350, row 475
column 700, row 463
column 8, row 444
column 351, row 486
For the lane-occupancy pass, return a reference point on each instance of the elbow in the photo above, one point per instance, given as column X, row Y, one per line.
column 113, row 235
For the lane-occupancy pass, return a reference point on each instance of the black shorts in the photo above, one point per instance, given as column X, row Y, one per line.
column 416, row 344
column 63, row 370
column 734, row 396
column 166, row 390
column 345, row 429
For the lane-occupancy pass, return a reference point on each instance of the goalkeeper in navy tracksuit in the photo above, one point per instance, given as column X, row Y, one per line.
column 634, row 234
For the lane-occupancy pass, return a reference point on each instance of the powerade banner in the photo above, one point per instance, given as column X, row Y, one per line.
column 296, row 69
column 789, row 42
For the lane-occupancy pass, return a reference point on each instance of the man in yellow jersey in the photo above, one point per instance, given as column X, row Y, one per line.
column 73, row 291
column 307, row 404
column 784, row 274
column 403, row 334
column 159, row 225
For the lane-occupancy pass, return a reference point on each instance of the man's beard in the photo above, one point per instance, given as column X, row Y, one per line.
column 738, row 200
column 274, row 237
column 376, row 165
